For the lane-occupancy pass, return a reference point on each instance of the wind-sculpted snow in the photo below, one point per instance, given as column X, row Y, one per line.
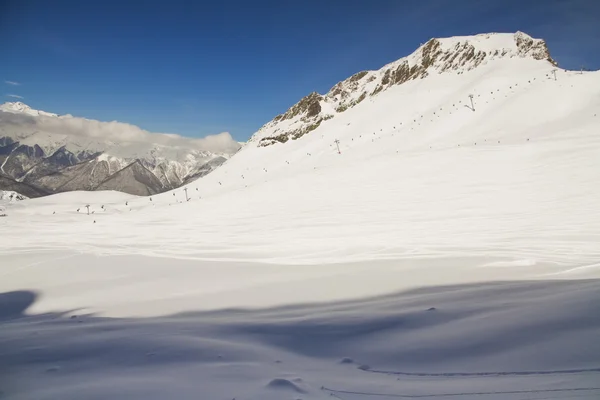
column 514, row 341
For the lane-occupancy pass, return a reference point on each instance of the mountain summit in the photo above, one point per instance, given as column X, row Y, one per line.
column 454, row 56
column 18, row 107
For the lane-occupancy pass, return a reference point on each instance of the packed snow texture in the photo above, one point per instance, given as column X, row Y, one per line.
column 448, row 250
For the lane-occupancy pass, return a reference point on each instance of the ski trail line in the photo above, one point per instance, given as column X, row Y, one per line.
column 417, row 396
column 477, row 374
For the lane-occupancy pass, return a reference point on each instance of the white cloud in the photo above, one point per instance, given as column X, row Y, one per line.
column 127, row 136
column 13, row 83
column 16, row 96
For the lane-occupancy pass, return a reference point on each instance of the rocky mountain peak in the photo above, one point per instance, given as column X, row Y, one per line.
column 308, row 107
column 534, row 48
column 455, row 55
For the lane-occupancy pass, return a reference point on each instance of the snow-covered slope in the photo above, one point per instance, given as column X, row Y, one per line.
column 56, row 153
column 450, row 56
column 297, row 271
column 11, row 196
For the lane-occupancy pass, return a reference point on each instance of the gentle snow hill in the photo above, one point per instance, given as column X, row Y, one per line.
column 503, row 341
column 390, row 247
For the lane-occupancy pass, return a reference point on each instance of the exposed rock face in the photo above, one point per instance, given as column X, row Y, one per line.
column 20, row 159
column 308, row 107
column 452, row 55
column 204, row 169
column 51, row 166
column 83, row 176
column 133, row 179
column 536, row 49
column 9, row 184
column 28, row 170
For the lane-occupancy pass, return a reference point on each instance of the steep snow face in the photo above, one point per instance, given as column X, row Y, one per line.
column 454, row 56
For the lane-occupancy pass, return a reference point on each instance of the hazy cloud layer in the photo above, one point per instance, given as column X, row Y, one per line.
column 16, row 96
column 13, row 83
column 118, row 132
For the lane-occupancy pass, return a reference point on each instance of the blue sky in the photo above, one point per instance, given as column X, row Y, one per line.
column 199, row 67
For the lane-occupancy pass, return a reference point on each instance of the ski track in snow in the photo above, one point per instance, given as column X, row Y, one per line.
column 498, row 373
column 594, row 391
column 433, row 244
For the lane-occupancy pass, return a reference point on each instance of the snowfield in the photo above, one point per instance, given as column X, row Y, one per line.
column 446, row 252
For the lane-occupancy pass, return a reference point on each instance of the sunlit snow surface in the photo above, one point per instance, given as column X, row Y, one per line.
column 454, row 254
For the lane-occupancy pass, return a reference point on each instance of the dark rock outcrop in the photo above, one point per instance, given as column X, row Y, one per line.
column 134, row 179
column 31, row 191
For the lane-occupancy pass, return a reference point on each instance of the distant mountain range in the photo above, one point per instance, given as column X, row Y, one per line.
column 43, row 153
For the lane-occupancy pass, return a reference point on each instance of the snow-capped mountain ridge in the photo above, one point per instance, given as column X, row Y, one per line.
column 455, row 55
column 19, row 107
column 128, row 149
column 35, row 145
